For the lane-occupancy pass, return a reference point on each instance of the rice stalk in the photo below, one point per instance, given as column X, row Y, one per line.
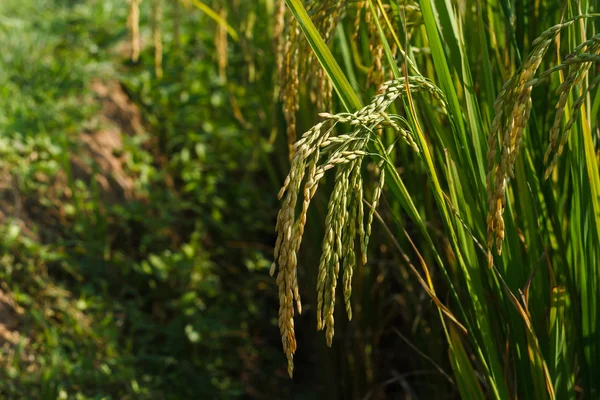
column 176, row 24
column 221, row 46
column 133, row 23
column 157, row 36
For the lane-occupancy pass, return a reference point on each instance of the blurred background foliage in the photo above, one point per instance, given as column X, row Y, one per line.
column 137, row 219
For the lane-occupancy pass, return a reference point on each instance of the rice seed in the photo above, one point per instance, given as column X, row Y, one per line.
column 374, row 201
column 337, row 216
column 349, row 256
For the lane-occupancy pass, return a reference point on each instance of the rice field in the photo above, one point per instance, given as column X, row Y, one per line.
column 299, row 199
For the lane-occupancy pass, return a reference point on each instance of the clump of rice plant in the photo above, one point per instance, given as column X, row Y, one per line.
column 482, row 158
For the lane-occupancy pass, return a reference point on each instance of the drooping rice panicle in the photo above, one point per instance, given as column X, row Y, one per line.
column 577, row 73
column 316, row 152
column 512, row 109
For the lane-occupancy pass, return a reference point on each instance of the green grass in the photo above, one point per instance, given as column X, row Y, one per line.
column 161, row 296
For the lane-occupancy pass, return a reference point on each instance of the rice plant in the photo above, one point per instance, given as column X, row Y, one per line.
column 492, row 108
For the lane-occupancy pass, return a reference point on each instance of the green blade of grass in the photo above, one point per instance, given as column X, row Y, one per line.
column 468, row 384
column 216, row 17
column 446, row 83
